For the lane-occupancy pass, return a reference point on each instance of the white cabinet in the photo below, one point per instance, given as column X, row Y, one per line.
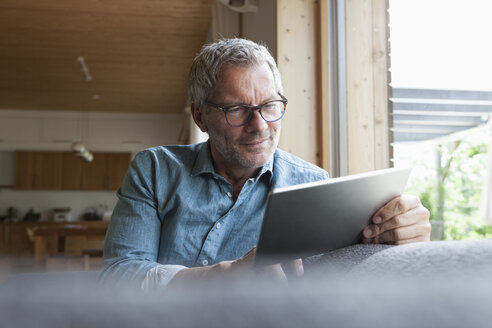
column 19, row 129
column 54, row 130
column 132, row 132
column 113, row 131
column 60, row 130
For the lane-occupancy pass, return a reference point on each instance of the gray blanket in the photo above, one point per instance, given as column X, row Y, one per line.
column 438, row 284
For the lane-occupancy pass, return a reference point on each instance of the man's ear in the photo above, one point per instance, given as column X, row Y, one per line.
column 198, row 117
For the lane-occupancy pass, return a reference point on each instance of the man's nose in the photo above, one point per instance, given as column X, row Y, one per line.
column 257, row 123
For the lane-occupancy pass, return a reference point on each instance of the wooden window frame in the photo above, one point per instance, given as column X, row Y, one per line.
column 315, row 127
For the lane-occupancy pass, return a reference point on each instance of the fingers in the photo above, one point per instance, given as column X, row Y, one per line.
column 413, row 216
column 273, row 272
column 403, row 235
column 296, row 267
column 293, row 269
column 396, row 206
column 242, row 267
column 411, row 223
column 276, row 272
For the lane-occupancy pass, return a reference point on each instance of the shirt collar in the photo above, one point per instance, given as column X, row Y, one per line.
column 204, row 164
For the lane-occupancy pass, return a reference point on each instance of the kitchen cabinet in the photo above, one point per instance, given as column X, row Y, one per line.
column 64, row 171
column 95, row 173
column 38, row 170
column 105, row 172
column 72, row 172
column 116, row 167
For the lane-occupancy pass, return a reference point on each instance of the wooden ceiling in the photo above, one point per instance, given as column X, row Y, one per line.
column 138, row 53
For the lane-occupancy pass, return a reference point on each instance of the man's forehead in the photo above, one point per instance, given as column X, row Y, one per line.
column 229, row 68
column 234, row 81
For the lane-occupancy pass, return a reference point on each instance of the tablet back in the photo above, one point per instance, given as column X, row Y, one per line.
column 314, row 218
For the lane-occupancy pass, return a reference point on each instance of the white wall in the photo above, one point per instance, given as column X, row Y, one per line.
column 262, row 25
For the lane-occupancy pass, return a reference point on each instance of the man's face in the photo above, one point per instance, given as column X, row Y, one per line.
column 251, row 145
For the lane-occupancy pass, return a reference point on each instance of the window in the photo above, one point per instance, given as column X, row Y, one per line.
column 441, row 77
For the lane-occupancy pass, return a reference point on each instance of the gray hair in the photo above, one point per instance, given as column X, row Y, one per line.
column 210, row 60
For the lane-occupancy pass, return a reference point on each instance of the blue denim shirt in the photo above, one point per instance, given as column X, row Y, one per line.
column 173, row 208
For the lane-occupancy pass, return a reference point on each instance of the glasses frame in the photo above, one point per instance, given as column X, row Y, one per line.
column 252, row 108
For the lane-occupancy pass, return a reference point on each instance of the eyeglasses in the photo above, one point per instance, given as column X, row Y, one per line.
column 240, row 114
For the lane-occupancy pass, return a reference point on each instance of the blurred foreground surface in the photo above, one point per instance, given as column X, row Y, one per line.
column 439, row 284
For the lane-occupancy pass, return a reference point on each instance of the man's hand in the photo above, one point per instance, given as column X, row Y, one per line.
column 403, row 220
column 242, row 266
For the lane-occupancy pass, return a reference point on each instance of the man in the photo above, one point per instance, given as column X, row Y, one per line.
column 195, row 211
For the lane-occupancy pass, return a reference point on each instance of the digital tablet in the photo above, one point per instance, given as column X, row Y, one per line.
column 317, row 217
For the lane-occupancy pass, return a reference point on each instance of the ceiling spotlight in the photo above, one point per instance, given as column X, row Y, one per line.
column 84, row 68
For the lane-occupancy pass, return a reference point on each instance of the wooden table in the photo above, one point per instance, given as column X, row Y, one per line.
column 69, row 240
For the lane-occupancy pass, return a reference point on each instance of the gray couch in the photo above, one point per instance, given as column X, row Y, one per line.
column 437, row 284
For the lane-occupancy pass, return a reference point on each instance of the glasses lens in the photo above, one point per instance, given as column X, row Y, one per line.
column 238, row 115
column 273, row 110
column 241, row 115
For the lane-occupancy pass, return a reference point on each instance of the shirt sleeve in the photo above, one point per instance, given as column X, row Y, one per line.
column 159, row 277
column 133, row 237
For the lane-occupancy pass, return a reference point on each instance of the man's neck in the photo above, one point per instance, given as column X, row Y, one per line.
column 235, row 175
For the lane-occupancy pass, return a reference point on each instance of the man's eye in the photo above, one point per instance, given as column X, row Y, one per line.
column 236, row 109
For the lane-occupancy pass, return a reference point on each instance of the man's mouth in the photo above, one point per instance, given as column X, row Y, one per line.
column 255, row 142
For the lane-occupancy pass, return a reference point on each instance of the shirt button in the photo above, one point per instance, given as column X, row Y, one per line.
column 229, row 194
column 205, row 262
column 218, row 225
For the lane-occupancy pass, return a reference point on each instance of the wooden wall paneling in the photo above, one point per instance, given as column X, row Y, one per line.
column 367, row 96
column 381, row 78
column 324, row 81
column 360, row 114
column 296, row 58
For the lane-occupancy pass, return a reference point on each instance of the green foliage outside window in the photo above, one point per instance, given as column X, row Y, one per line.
column 450, row 185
